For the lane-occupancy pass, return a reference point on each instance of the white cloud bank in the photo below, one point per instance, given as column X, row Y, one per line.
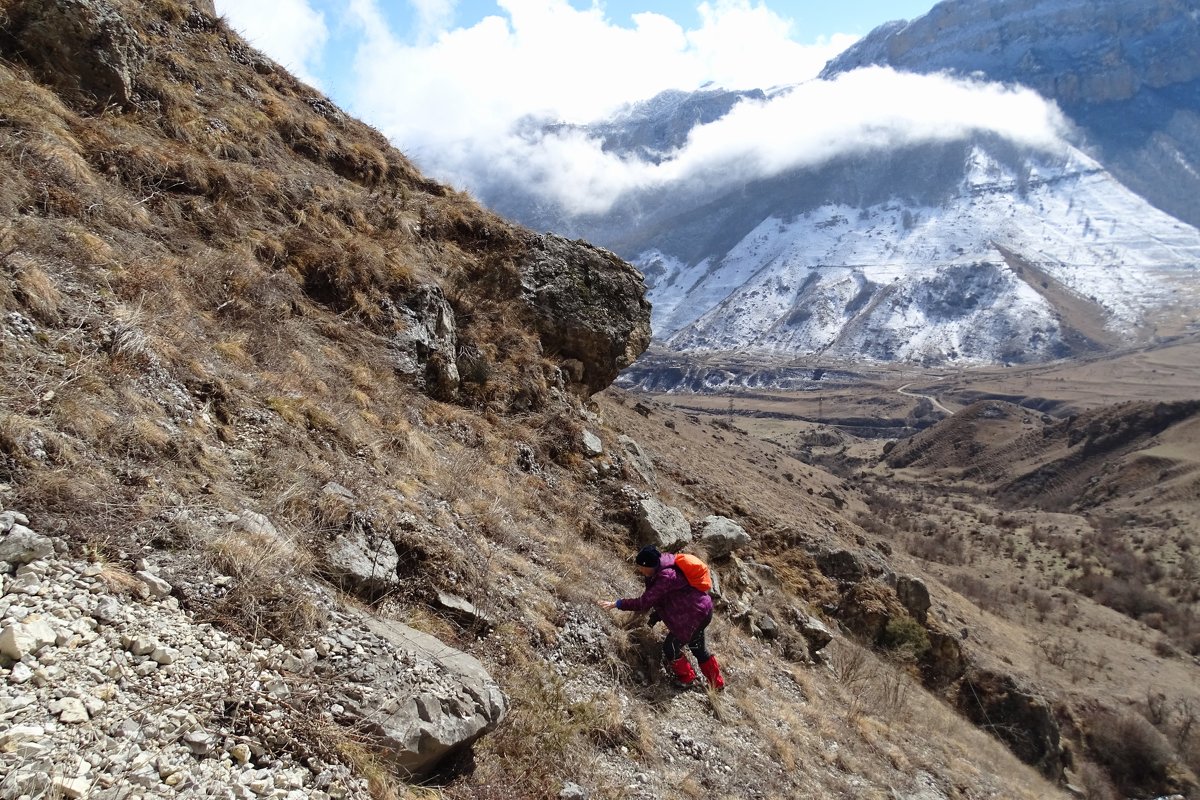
column 290, row 31
column 453, row 100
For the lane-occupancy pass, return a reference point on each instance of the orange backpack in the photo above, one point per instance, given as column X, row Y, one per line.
column 695, row 570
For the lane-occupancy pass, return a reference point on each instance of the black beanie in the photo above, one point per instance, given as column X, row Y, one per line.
column 648, row 556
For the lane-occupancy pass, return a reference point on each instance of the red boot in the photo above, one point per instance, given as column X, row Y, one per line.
column 684, row 673
column 712, row 672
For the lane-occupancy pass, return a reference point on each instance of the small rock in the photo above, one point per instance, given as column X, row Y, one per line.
column 21, row 673
column 240, row 753
column 592, row 446
column 157, row 586
column 72, row 711
column 199, row 741
column 164, row 656
column 14, row 736
column 20, row 545
column 141, row 645
column 71, row 788
column 572, row 791
column 25, row 638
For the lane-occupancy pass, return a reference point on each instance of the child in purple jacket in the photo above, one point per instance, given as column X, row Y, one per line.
column 684, row 609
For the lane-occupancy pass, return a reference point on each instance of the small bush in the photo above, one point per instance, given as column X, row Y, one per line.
column 905, row 635
column 1137, row 756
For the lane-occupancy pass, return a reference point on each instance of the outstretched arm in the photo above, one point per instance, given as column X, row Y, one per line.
column 667, row 581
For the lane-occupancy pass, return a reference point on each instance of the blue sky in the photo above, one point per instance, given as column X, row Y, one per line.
column 454, row 84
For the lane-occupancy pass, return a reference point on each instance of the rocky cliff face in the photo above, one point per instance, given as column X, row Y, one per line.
column 1127, row 71
column 1077, row 53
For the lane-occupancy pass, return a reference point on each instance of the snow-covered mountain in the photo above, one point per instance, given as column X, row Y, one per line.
column 972, row 247
column 1025, row 261
column 1127, row 72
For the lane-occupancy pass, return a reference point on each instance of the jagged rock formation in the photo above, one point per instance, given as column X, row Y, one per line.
column 588, row 306
column 80, row 45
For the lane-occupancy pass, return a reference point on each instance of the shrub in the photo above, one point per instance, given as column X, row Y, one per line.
column 906, row 636
column 1137, row 756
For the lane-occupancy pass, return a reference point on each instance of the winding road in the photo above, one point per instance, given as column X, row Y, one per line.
column 930, row 398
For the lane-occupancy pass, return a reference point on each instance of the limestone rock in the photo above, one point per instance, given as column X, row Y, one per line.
column 157, row 586
column 815, row 632
column 81, row 45
column 418, row 729
column 587, row 305
column 255, row 524
column 426, row 346
column 365, row 564
column 852, row 566
column 20, row 545
column 464, row 610
column 20, row 639
column 638, row 459
column 592, row 446
column 721, row 536
column 661, row 525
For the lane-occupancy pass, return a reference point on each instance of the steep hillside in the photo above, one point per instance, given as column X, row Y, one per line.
column 309, row 486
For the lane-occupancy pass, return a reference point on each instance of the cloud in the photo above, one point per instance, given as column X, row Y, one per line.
column 869, row 109
column 290, row 31
column 546, row 59
column 468, row 103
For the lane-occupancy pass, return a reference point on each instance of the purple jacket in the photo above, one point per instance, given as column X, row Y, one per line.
column 682, row 607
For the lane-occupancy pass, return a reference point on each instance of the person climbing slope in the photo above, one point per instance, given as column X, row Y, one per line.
column 683, row 608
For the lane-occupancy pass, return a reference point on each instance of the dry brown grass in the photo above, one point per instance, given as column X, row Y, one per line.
column 266, row 569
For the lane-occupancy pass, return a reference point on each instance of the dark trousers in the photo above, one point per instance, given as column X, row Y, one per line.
column 673, row 647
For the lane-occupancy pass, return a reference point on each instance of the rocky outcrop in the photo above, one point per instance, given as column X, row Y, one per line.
column 362, row 562
column 815, row 632
column 587, row 305
column 868, row 607
column 852, row 566
column 637, row 459
column 425, row 347
column 914, row 596
column 430, row 699
column 721, row 536
column 1018, row 716
column 661, row 525
column 80, row 45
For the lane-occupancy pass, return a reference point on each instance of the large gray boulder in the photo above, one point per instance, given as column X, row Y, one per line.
column 587, row 304
column 80, row 45
column 721, row 536
column 20, row 545
column 365, row 564
column 914, row 595
column 428, row 700
column 661, row 525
